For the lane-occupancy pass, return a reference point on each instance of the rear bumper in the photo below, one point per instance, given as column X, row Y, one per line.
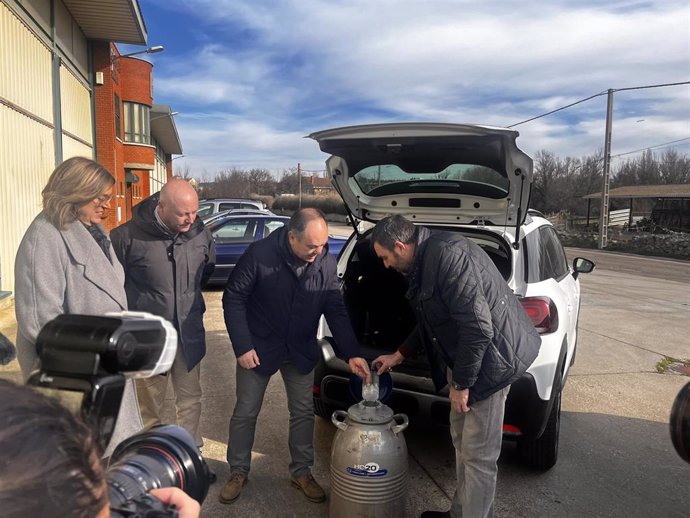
column 526, row 414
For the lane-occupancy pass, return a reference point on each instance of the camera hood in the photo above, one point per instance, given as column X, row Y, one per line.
column 131, row 343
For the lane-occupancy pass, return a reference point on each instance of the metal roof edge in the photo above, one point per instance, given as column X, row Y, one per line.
column 164, row 130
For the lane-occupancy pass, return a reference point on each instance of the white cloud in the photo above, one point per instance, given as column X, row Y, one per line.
column 307, row 65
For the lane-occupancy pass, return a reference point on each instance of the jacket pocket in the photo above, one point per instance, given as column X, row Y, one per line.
column 434, row 311
column 495, row 366
column 499, row 308
column 196, row 261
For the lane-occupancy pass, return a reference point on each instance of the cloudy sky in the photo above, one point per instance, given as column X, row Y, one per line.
column 251, row 78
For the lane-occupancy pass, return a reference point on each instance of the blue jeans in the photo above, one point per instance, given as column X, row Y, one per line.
column 477, row 438
column 250, row 391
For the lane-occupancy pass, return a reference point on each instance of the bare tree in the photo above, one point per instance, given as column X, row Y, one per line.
column 184, row 172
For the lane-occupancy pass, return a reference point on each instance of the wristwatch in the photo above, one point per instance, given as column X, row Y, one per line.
column 458, row 387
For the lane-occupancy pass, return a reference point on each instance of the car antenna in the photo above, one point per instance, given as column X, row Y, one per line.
column 516, row 243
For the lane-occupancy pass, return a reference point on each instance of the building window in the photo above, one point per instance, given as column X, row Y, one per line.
column 118, row 121
column 137, row 128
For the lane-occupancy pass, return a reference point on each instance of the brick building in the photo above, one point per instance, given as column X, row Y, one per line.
column 55, row 103
column 135, row 138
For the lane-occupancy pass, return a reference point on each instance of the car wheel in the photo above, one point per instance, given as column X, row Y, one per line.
column 542, row 453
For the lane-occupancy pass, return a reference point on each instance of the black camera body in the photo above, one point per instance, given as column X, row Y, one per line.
column 85, row 363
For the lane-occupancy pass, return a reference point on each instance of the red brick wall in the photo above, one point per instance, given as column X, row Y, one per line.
column 109, row 150
column 136, row 86
column 130, row 79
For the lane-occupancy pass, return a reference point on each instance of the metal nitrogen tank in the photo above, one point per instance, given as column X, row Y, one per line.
column 369, row 470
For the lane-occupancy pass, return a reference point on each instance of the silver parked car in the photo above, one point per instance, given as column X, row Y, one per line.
column 214, row 205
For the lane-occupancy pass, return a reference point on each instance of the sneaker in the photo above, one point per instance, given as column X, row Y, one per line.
column 311, row 489
column 435, row 514
column 232, row 488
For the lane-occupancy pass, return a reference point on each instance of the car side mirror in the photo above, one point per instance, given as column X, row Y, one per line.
column 582, row 265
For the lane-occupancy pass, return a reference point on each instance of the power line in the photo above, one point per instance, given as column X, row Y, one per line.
column 557, row 110
column 597, row 95
column 651, row 86
column 651, row 147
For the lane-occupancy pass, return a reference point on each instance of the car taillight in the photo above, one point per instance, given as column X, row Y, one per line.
column 542, row 312
column 513, row 431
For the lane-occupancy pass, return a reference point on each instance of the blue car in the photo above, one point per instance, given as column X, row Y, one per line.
column 233, row 234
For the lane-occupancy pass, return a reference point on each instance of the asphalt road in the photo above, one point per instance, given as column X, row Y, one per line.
column 616, row 458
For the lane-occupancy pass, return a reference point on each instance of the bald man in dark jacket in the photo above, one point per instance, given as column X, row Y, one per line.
column 273, row 301
column 168, row 255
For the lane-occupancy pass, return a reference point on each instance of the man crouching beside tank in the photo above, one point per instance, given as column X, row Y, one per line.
column 273, row 301
column 51, row 462
column 481, row 342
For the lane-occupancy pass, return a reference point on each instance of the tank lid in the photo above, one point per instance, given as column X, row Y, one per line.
column 373, row 412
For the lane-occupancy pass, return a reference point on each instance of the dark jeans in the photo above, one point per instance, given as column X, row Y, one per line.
column 250, row 390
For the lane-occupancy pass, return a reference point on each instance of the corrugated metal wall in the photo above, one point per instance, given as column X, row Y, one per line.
column 76, row 108
column 27, row 157
column 27, row 145
column 71, row 147
column 27, row 149
column 24, row 67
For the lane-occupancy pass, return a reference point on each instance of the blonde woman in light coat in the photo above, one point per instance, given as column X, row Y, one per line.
column 66, row 264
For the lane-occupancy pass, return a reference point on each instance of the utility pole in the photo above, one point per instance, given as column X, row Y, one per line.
column 299, row 182
column 604, row 217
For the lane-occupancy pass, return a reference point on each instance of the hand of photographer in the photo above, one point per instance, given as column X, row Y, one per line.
column 187, row 507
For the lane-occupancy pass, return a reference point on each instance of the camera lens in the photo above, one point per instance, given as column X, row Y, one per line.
column 165, row 456
column 680, row 423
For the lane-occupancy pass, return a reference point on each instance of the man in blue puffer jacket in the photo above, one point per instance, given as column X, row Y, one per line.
column 479, row 341
column 273, row 301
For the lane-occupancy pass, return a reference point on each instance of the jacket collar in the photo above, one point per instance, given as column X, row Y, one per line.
column 86, row 252
column 422, row 235
column 281, row 241
column 144, row 217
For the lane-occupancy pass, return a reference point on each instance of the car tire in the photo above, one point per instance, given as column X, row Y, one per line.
column 542, row 453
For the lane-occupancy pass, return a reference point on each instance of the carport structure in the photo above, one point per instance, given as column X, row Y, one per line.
column 672, row 203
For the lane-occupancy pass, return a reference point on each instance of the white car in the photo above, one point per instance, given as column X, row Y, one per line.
column 459, row 178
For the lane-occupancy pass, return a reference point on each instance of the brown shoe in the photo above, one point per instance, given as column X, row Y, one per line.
column 232, row 488
column 311, row 489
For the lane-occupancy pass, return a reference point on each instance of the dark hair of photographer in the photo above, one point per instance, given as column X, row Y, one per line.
column 50, row 463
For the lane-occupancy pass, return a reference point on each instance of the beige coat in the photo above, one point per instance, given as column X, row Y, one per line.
column 65, row 271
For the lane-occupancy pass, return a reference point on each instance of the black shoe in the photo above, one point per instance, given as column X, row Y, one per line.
column 435, row 514
column 212, row 477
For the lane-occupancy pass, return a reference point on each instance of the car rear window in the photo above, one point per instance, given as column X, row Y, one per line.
column 473, row 179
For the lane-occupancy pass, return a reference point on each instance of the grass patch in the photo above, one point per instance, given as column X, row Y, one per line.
column 667, row 361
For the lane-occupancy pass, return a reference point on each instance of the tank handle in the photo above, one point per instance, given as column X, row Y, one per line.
column 338, row 419
column 402, row 422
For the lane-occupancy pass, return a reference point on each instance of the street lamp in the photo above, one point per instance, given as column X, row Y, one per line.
column 150, row 50
column 171, row 114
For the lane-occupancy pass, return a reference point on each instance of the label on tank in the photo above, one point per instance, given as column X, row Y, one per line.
column 370, row 469
column 370, row 438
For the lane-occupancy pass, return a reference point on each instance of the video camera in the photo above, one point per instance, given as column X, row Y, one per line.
column 85, row 362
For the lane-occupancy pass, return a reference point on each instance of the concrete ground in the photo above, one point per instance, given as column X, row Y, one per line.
column 615, row 458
